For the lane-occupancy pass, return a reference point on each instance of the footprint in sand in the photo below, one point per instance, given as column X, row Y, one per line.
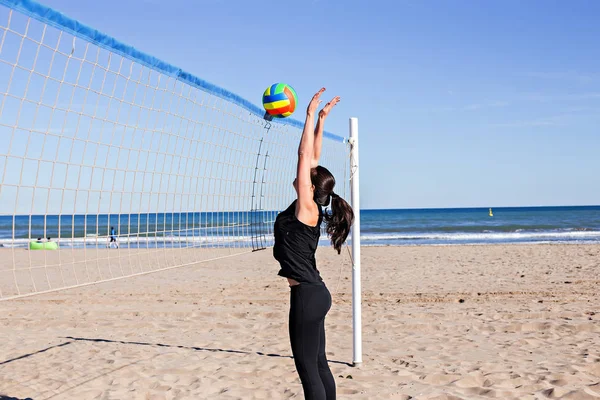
column 473, row 381
column 577, row 395
column 439, row 379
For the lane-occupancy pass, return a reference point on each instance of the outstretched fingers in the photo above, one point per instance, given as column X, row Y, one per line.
column 315, row 101
column 325, row 111
column 319, row 93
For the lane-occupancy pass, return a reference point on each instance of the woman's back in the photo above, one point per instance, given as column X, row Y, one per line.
column 295, row 246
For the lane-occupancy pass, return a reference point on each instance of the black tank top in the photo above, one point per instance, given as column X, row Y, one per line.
column 295, row 246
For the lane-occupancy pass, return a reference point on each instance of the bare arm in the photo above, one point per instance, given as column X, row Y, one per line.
column 318, row 143
column 305, row 205
column 305, row 155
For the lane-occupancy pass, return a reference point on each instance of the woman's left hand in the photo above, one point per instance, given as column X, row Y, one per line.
column 314, row 102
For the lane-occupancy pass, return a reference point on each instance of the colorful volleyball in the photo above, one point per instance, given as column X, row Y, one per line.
column 279, row 100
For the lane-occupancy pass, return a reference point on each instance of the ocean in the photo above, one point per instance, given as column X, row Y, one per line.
column 577, row 224
column 476, row 226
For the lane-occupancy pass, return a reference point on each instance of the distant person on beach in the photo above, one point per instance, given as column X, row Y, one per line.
column 39, row 240
column 48, row 239
column 113, row 238
column 297, row 231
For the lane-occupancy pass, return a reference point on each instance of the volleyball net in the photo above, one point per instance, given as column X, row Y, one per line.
column 114, row 163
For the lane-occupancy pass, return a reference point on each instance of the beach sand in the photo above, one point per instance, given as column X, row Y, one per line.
column 439, row 322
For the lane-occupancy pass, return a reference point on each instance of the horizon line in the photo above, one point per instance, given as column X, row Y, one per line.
column 478, row 207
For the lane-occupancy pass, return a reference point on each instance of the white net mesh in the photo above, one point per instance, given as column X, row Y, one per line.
column 92, row 141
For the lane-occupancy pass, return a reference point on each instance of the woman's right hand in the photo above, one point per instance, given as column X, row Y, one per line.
column 325, row 111
column 314, row 102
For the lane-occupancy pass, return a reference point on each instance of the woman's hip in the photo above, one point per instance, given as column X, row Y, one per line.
column 314, row 299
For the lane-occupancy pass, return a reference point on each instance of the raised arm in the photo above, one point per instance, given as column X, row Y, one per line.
column 305, row 204
column 318, row 144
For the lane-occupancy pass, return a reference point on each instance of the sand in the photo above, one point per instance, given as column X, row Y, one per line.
column 439, row 322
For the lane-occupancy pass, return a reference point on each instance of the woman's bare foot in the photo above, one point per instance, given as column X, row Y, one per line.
column 325, row 111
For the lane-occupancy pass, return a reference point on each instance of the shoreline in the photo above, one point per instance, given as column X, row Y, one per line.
column 224, row 247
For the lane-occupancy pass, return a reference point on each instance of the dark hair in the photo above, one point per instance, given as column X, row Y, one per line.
column 341, row 217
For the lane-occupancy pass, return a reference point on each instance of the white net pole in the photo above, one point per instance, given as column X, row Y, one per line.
column 127, row 164
column 356, row 278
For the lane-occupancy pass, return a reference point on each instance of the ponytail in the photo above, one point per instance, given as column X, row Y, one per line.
column 339, row 221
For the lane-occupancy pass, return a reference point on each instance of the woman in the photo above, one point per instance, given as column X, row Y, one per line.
column 297, row 232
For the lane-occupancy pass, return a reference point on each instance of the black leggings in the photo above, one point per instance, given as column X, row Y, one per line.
column 309, row 303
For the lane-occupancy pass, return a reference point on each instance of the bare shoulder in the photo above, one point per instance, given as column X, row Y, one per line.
column 308, row 214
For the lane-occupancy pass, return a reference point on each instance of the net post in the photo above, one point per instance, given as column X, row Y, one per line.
column 356, row 280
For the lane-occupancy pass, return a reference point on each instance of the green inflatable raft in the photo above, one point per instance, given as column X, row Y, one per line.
column 43, row 246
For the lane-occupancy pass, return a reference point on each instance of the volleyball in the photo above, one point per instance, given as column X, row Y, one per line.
column 279, row 100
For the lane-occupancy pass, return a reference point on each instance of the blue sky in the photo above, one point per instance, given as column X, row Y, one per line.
column 460, row 104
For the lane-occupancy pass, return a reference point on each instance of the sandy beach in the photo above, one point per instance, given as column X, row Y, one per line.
column 439, row 322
